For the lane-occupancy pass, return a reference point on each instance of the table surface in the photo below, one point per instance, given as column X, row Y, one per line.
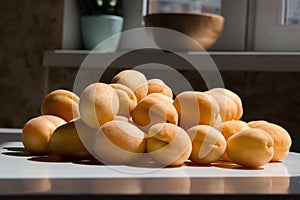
column 25, row 174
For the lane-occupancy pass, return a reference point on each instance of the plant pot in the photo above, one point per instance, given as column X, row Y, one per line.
column 96, row 29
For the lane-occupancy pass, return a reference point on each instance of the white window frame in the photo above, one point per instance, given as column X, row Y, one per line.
column 270, row 32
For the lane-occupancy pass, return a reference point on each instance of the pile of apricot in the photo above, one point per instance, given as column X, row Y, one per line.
column 119, row 122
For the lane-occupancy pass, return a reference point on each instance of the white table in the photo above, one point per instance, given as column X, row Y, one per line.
column 24, row 174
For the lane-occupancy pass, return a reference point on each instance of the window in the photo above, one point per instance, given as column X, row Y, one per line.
column 253, row 25
column 292, row 12
column 260, row 25
column 277, row 26
column 185, row 6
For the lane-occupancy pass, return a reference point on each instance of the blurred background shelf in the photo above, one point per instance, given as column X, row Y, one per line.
column 224, row 60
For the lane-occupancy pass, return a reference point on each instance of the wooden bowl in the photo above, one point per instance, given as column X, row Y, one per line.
column 204, row 28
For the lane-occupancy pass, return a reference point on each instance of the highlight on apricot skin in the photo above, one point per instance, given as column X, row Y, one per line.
column 208, row 144
column 196, row 108
column 37, row 132
column 250, row 148
column 61, row 103
column 99, row 103
column 235, row 98
column 228, row 108
column 158, row 86
column 134, row 80
column 127, row 99
column 218, row 123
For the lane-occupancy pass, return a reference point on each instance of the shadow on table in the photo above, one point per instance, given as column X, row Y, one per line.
column 144, row 161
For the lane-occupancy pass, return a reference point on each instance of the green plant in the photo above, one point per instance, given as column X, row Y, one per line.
column 98, row 7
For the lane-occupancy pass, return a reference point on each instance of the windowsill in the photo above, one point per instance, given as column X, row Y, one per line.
column 225, row 60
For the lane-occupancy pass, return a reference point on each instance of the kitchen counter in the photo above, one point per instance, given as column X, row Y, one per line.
column 24, row 175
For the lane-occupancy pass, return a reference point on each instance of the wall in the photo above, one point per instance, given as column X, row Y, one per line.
column 27, row 29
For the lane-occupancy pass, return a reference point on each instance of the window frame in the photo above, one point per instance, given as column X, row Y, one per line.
column 270, row 34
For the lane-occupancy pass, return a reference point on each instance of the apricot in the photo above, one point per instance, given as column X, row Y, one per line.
column 118, row 142
column 282, row 139
column 168, row 144
column 208, row 144
column 228, row 108
column 37, row 132
column 70, row 140
column 196, row 108
column 250, row 148
column 121, row 118
column 127, row 99
column 98, row 104
column 232, row 127
column 61, row 103
column 218, row 123
column 158, row 86
column 154, row 108
column 134, row 80
column 235, row 98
